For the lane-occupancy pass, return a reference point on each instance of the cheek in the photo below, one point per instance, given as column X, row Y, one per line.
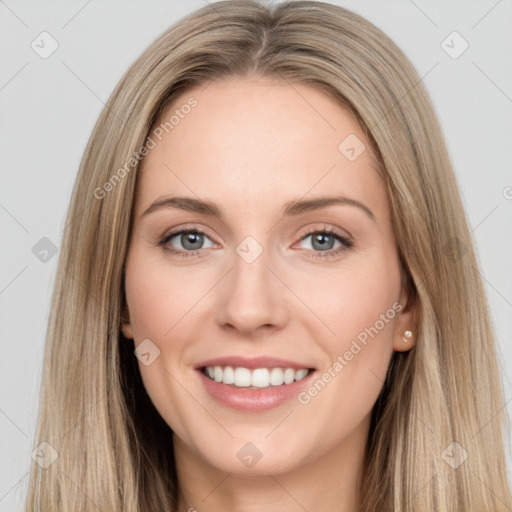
column 158, row 296
column 158, row 301
column 358, row 302
column 358, row 308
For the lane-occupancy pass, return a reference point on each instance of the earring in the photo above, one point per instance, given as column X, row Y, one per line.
column 407, row 336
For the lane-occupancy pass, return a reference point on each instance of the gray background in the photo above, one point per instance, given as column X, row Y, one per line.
column 49, row 106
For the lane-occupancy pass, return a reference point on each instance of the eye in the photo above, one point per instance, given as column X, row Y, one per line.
column 190, row 240
column 323, row 242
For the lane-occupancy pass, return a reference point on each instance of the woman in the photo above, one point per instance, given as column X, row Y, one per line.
column 214, row 346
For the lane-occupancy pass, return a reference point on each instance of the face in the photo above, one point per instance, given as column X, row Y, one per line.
column 265, row 276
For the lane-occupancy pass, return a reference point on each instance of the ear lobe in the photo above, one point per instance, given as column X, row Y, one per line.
column 126, row 326
column 406, row 326
column 127, row 331
column 405, row 341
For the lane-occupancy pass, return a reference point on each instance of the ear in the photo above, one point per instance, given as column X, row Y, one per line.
column 406, row 325
column 126, row 326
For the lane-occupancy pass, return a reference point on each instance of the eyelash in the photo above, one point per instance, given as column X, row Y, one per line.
column 346, row 244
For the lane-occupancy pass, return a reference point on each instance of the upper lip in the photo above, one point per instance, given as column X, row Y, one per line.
column 253, row 362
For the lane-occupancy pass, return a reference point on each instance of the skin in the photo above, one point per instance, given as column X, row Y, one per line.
column 245, row 138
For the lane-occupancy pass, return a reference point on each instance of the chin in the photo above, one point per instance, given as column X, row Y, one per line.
column 251, row 454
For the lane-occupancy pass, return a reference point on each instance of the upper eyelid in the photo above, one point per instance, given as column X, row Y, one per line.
column 333, row 231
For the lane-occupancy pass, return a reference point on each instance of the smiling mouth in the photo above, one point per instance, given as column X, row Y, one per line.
column 257, row 378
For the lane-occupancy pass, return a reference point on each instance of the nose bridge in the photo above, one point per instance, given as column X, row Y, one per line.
column 251, row 296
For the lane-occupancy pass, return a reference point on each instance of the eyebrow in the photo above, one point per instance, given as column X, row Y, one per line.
column 292, row 208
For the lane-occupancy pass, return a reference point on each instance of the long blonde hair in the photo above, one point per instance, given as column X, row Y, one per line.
column 114, row 451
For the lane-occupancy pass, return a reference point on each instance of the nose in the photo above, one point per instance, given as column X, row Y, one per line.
column 252, row 298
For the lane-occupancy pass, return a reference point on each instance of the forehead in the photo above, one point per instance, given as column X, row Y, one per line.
column 258, row 142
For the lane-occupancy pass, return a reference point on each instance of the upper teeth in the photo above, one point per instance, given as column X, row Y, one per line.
column 259, row 377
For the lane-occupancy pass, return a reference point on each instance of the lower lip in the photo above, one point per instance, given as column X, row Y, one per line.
column 244, row 399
